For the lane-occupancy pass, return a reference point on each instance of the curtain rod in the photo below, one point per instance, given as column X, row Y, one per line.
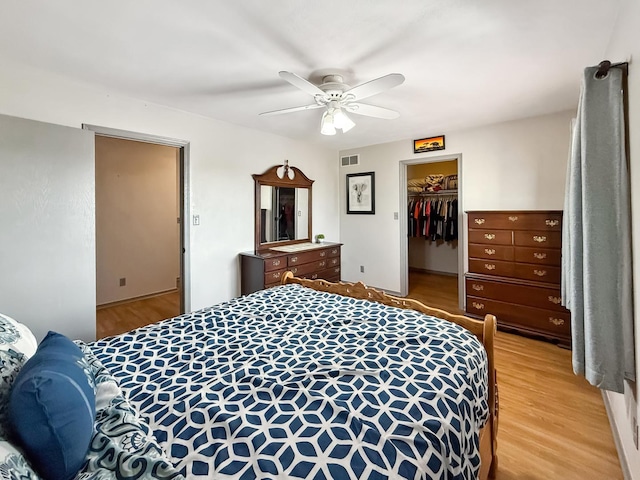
column 605, row 65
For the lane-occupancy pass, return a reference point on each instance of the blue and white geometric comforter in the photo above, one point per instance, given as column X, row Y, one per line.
column 294, row 383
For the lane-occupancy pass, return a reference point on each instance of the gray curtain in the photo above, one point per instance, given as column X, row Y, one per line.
column 596, row 247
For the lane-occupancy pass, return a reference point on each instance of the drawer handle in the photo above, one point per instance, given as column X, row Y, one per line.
column 334, row 261
column 489, row 251
column 556, row 321
column 478, row 306
column 314, row 276
column 276, row 263
column 552, row 223
column 275, row 275
column 540, row 256
column 322, row 254
column 476, row 287
column 322, row 263
column 489, row 236
column 294, row 259
column 556, row 300
column 513, row 219
column 489, row 266
column 540, row 273
column 540, row 238
column 334, row 251
column 479, row 221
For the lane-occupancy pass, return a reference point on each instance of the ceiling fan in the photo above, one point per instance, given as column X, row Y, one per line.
column 338, row 98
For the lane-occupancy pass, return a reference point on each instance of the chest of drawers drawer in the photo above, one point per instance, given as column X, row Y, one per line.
column 531, row 238
column 491, row 267
column 540, row 273
column 490, row 237
column 275, row 263
column 543, row 256
column 491, row 252
column 536, row 319
column 514, row 220
column 512, row 292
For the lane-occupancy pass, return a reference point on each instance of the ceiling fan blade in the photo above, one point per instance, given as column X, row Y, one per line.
column 301, row 83
column 375, row 86
column 371, row 111
column 292, row 109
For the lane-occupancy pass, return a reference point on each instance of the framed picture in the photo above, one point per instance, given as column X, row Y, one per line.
column 361, row 193
column 428, row 144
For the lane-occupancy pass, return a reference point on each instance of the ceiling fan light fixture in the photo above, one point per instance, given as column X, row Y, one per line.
column 327, row 126
column 342, row 121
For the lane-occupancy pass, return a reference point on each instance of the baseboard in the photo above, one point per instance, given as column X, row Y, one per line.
column 622, row 457
column 135, row 299
column 424, row 270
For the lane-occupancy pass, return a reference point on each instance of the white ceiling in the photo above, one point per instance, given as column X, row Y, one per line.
column 466, row 62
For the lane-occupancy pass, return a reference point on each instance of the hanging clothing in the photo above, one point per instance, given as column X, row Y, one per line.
column 432, row 218
column 596, row 247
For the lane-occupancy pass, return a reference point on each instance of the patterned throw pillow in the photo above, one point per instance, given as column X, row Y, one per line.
column 52, row 408
column 16, row 336
column 13, row 465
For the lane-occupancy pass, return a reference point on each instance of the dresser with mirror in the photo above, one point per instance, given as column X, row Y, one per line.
column 283, row 240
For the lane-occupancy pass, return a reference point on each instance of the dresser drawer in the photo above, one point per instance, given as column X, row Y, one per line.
column 494, row 252
column 491, row 267
column 557, row 323
column 538, row 273
column 333, row 252
column 307, row 257
column 490, row 237
column 275, row 276
column 532, row 238
column 540, row 297
column 516, row 220
column 543, row 256
column 333, row 261
column 308, row 268
column 275, row 263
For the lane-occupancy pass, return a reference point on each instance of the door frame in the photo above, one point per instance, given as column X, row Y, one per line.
column 185, row 194
column 404, row 240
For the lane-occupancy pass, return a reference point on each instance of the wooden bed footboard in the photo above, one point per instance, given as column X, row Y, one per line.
column 483, row 329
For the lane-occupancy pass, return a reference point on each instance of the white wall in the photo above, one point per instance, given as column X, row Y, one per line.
column 137, row 206
column 433, row 256
column 625, row 45
column 47, row 259
column 223, row 157
column 517, row 165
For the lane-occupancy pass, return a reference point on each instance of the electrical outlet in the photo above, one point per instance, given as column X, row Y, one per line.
column 395, row 215
column 196, row 219
column 123, row 282
column 361, row 268
column 635, row 432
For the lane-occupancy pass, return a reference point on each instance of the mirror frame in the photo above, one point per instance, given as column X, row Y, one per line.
column 270, row 178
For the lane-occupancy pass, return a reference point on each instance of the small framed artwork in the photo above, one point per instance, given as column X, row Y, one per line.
column 428, row 144
column 361, row 193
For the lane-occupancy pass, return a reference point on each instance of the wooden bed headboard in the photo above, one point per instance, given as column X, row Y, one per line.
column 483, row 329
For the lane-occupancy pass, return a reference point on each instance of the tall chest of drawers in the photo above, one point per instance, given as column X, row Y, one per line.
column 514, row 271
column 259, row 270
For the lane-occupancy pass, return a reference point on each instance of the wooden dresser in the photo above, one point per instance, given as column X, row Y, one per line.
column 264, row 269
column 514, row 271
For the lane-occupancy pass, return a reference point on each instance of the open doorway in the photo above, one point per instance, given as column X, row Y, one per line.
column 140, row 232
column 431, row 229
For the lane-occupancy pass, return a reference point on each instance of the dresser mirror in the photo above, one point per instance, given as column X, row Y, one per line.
column 282, row 207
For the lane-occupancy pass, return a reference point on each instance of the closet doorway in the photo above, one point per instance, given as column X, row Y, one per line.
column 431, row 229
column 140, row 232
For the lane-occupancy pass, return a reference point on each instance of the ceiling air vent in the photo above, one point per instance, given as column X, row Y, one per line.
column 350, row 160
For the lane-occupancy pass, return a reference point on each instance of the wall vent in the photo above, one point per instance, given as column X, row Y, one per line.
column 350, row 160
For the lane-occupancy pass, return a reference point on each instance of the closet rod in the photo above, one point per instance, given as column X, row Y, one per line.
column 605, row 65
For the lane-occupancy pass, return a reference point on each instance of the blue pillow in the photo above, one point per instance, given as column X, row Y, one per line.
column 52, row 408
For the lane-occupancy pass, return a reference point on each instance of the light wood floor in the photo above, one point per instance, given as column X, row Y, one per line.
column 127, row 316
column 553, row 425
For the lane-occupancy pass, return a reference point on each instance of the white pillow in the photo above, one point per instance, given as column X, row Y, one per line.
column 16, row 336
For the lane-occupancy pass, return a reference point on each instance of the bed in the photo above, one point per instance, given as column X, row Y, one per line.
column 309, row 379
